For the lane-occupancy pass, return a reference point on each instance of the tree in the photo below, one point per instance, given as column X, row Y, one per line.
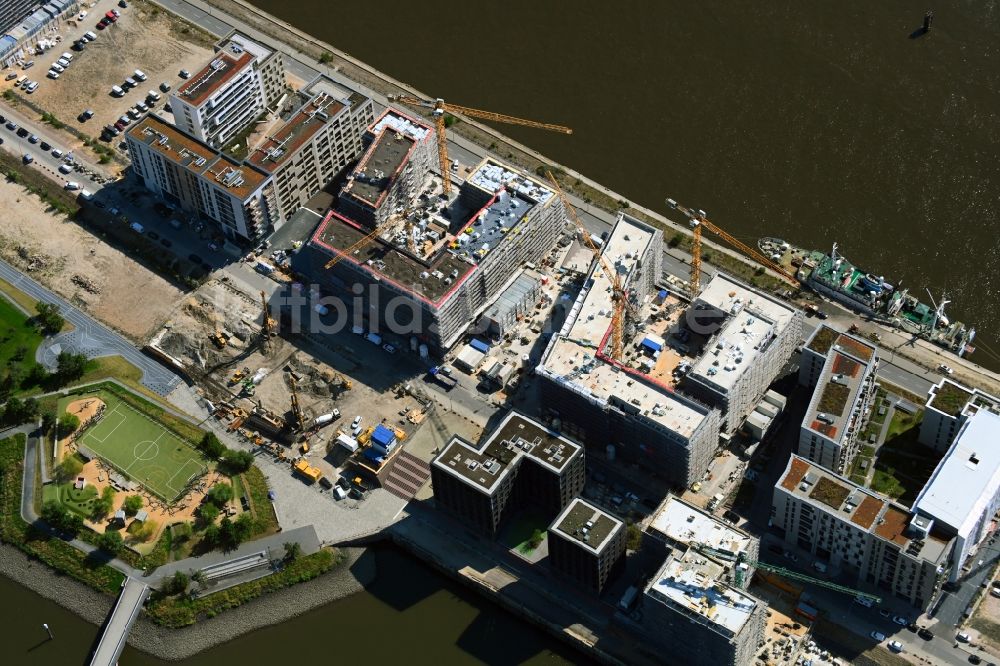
column 111, row 542
column 70, row 367
column 199, row 577
column 60, row 518
column 211, row 446
column 212, row 536
column 69, row 468
column 292, row 551
column 220, row 493
column 104, row 504
column 208, row 513
column 179, row 583
column 243, row 528
column 132, row 504
column 48, row 420
column 536, row 538
column 48, row 319
column 67, row 424
column 37, row 376
column 19, row 411
column 227, row 533
column 633, row 537
column 237, row 462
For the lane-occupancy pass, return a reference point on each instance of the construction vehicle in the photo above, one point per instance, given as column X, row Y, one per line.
column 440, row 108
column 699, row 221
column 239, row 376
column 267, row 322
column 249, row 388
column 619, row 297
column 742, row 563
column 218, row 338
column 311, row 473
column 297, row 421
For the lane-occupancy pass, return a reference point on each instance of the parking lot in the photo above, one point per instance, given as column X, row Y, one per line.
column 142, row 38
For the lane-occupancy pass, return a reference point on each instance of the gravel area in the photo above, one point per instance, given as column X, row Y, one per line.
column 351, row 576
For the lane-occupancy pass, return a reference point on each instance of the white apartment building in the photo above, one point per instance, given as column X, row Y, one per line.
column 221, row 100
column 840, row 404
column 751, row 335
column 857, row 532
column 199, row 179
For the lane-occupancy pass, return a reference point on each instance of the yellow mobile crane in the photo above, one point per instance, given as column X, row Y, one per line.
column 441, row 108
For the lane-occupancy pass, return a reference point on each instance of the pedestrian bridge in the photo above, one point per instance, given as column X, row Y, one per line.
column 126, row 610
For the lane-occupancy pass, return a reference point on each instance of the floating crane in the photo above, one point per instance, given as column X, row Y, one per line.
column 440, row 108
column 699, row 221
column 742, row 559
column 618, row 295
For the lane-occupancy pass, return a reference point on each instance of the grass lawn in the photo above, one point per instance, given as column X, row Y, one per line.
column 903, row 464
column 18, row 337
column 140, row 447
column 903, row 422
column 25, row 301
column 517, row 535
column 80, row 502
column 886, row 483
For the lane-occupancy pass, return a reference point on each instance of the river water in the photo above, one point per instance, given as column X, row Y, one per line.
column 816, row 122
column 410, row 615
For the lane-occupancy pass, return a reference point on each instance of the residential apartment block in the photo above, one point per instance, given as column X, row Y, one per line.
column 860, row 533
column 309, row 147
column 602, row 402
column 696, row 605
column 198, row 178
column 217, row 103
column 586, row 545
column 840, row 404
column 521, row 463
column 25, row 23
column 751, row 336
column 949, row 405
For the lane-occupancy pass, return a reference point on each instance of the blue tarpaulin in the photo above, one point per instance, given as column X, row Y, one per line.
column 651, row 344
column 479, row 345
column 382, row 436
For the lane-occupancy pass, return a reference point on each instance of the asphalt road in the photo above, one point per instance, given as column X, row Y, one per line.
column 89, row 337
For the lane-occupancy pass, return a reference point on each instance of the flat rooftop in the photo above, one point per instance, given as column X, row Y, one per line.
column 246, row 43
column 836, row 392
column 397, row 121
column 967, row 479
column 238, row 179
column 866, row 509
column 517, row 436
column 825, row 337
column 752, row 321
column 695, row 585
column 380, row 166
column 572, row 355
column 278, row 147
column 686, row 524
column 490, row 176
column 226, row 65
column 587, row 525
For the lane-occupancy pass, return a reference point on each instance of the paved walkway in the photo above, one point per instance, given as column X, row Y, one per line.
column 126, row 610
column 89, row 337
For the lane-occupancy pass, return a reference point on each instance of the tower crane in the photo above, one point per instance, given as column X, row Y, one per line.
column 440, row 108
column 618, row 295
column 742, row 559
column 367, row 238
column 699, row 221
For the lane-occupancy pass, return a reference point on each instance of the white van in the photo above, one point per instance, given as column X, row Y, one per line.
column 62, row 62
column 139, row 75
column 136, row 227
column 67, row 56
column 117, row 91
column 153, row 95
column 21, row 79
column 90, row 35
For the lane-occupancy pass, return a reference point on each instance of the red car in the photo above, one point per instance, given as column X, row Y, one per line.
column 104, row 22
column 110, row 16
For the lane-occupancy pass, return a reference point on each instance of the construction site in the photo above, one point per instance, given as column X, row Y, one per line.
column 294, row 400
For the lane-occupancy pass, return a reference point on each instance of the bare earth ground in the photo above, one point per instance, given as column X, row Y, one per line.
column 80, row 267
column 141, row 39
column 83, row 409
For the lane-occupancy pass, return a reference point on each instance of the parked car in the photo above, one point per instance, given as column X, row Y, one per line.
column 85, row 116
column 962, row 637
column 44, row 145
column 864, row 601
column 71, row 185
column 389, row 348
column 926, row 634
column 65, row 168
column 884, row 612
column 896, row 646
column 56, row 152
column 184, row 74
column 32, row 87
column 33, row 139
column 28, row 159
column 945, row 369
column 975, row 659
column 878, row 636
column 900, row 620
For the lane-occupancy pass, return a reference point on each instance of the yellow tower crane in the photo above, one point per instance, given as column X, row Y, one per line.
column 441, row 108
column 698, row 223
column 618, row 295
column 367, row 238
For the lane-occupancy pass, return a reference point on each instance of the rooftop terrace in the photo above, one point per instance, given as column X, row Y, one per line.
column 825, row 337
column 237, row 179
column 226, row 65
column 285, row 141
column 752, row 321
column 572, row 355
column 685, row 524
column 836, row 391
column 847, row 501
column 589, row 526
column 694, row 584
column 397, row 121
column 517, row 436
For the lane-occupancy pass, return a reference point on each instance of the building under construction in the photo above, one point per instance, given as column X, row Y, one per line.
column 603, row 400
column 430, row 265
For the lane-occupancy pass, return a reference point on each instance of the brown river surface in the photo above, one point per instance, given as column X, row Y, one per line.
column 815, row 122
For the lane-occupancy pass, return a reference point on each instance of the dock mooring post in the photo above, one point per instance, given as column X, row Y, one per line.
column 48, row 631
column 928, row 19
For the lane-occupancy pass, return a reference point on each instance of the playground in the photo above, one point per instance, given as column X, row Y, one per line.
column 138, row 447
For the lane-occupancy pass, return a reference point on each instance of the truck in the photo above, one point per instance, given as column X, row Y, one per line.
column 628, row 598
column 438, row 374
column 311, row 473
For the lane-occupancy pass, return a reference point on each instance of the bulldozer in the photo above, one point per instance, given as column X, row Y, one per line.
column 239, row 376
column 218, row 338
